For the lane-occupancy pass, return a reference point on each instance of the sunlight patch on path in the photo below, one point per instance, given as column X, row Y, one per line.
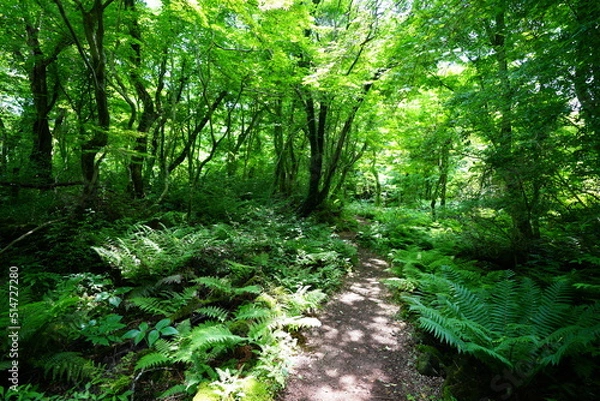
column 360, row 352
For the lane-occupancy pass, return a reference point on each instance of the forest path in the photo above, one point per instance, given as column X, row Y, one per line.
column 361, row 351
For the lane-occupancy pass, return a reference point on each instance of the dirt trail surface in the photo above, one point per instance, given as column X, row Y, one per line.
column 361, row 351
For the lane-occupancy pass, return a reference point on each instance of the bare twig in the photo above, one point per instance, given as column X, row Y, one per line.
column 28, row 233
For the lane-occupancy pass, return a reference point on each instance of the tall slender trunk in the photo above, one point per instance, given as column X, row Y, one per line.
column 94, row 57
column 41, row 152
column 321, row 178
column 587, row 68
column 316, row 127
column 149, row 114
column 194, row 134
column 506, row 165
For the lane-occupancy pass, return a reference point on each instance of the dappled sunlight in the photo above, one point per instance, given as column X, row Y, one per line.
column 355, row 335
column 352, row 355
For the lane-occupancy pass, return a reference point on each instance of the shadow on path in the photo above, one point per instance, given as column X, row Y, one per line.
column 360, row 352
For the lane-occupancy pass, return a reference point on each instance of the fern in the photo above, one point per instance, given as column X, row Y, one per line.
column 508, row 322
column 170, row 304
column 295, row 323
column 554, row 307
column 147, row 252
column 152, row 305
column 68, row 366
column 175, row 390
column 209, row 335
column 216, row 284
column 504, row 295
column 252, row 311
column 260, row 332
column 214, row 312
column 222, row 286
column 153, row 360
column 303, row 300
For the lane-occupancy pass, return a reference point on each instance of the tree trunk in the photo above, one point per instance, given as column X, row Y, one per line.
column 587, row 68
column 149, row 115
column 317, row 135
column 3, row 147
column 316, row 138
column 41, row 153
column 506, row 165
column 95, row 59
column 194, row 134
column 287, row 163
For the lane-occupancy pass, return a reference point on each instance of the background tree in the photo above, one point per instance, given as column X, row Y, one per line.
column 34, row 43
column 91, row 18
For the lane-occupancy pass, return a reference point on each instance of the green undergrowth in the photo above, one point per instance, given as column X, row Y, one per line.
column 527, row 332
column 182, row 311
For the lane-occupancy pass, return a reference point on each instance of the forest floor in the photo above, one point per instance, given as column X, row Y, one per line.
column 361, row 351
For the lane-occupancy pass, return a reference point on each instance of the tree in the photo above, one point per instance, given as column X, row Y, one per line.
column 585, row 34
column 34, row 42
column 149, row 113
column 92, row 20
column 509, row 97
column 336, row 86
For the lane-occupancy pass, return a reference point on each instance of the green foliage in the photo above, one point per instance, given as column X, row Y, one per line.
column 69, row 366
column 505, row 320
column 101, row 331
column 230, row 386
column 151, row 335
column 148, row 252
column 263, row 324
column 398, row 228
column 30, row 393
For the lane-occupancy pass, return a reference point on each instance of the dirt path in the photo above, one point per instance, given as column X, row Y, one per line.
column 361, row 352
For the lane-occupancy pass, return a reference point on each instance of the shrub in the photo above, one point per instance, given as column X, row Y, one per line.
column 506, row 322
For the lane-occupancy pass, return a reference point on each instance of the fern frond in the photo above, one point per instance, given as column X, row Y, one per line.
column 217, row 284
column 470, row 304
column 503, row 296
column 249, row 289
column 175, row 390
column 252, row 311
column 213, row 312
column 152, row 360
column 165, row 347
column 260, row 330
column 294, row 323
column 184, row 328
column 303, row 300
column 553, row 307
column 529, row 294
column 487, row 353
column 68, row 366
column 209, row 335
column 510, row 321
column 441, row 328
column 173, row 279
column 152, row 305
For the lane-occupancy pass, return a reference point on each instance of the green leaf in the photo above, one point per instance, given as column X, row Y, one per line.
column 153, row 336
column 139, row 337
column 169, row 331
column 130, row 334
column 162, row 324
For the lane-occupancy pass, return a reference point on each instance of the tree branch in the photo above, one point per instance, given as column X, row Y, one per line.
column 40, row 186
column 28, row 233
